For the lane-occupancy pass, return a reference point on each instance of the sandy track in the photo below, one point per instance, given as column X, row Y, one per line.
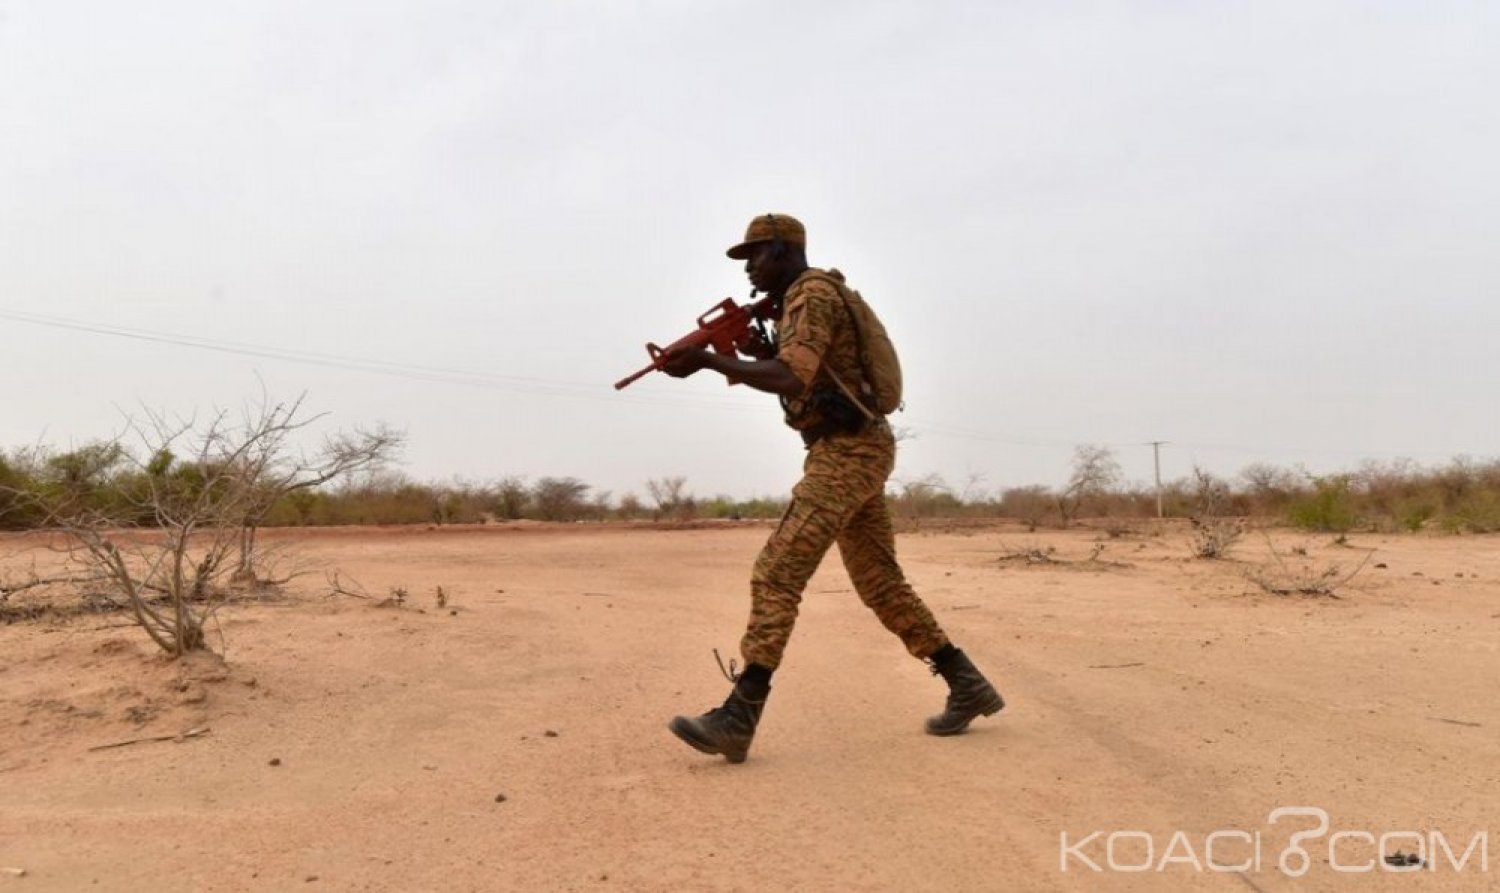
column 1156, row 694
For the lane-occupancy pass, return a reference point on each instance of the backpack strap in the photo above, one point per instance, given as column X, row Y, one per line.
column 837, row 281
column 858, row 403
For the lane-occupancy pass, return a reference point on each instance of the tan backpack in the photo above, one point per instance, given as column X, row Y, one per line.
column 881, row 389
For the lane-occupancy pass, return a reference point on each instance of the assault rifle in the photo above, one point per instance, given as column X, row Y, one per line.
column 725, row 326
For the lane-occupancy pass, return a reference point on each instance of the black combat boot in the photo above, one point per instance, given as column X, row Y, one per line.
column 969, row 694
column 729, row 729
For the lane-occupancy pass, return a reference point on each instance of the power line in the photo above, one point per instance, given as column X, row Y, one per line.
column 434, row 374
column 558, row 388
column 426, row 373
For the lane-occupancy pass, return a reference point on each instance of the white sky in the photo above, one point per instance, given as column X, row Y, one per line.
column 1260, row 231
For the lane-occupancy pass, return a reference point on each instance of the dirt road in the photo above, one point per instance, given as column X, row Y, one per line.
column 516, row 739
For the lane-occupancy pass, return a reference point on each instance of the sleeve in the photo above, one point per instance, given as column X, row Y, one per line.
column 807, row 330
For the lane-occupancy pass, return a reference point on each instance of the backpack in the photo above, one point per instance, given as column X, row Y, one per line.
column 881, row 388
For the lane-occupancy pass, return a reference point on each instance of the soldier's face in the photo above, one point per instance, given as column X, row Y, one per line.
column 763, row 266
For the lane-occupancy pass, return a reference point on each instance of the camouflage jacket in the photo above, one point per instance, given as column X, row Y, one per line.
column 815, row 336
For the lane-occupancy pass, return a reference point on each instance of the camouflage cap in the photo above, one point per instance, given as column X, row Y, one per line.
column 769, row 227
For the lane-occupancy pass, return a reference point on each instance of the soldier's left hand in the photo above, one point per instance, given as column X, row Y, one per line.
column 682, row 363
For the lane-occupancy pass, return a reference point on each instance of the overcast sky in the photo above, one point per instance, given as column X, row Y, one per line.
column 1260, row 231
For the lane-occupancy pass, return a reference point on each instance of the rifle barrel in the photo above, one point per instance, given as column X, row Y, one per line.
column 629, row 379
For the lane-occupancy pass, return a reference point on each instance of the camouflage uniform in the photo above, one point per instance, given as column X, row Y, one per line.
column 841, row 497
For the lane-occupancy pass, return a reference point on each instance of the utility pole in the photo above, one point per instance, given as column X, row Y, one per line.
column 1156, row 455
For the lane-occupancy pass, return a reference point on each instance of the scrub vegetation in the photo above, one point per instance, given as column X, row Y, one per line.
column 108, row 478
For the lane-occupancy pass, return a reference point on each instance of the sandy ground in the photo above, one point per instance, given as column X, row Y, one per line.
column 517, row 738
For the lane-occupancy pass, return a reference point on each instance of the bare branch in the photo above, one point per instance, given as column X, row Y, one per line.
column 205, row 484
column 1303, row 580
column 354, row 590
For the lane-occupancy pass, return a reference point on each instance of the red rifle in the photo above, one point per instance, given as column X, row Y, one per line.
column 725, row 326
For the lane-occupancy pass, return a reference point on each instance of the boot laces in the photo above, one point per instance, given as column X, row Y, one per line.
column 732, row 672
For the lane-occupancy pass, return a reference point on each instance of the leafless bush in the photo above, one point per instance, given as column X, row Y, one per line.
column 671, row 498
column 1038, row 556
column 1280, row 577
column 1213, row 538
column 1095, row 471
column 204, row 488
column 1213, row 534
column 268, row 470
column 1029, row 555
column 352, row 588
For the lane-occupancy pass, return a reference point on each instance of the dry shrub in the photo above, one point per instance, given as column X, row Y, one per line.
column 1037, row 556
column 204, row 489
column 1213, row 534
column 1028, row 556
column 1031, row 505
column 1213, row 538
column 1304, row 577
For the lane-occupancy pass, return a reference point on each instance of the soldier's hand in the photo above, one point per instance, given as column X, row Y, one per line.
column 756, row 346
column 682, row 363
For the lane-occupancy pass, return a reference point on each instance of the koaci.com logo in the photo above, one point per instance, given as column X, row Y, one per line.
column 1347, row 851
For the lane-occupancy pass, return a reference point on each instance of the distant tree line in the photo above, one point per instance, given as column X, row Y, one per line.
column 104, row 479
column 1460, row 496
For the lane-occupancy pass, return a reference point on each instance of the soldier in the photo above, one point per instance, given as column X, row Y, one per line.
column 813, row 363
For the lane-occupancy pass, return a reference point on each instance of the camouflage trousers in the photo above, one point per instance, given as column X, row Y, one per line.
column 840, row 499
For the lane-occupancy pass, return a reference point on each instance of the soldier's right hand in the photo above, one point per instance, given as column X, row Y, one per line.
column 755, row 346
